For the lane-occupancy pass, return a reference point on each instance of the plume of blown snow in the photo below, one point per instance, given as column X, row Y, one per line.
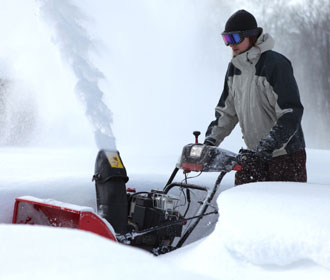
column 75, row 45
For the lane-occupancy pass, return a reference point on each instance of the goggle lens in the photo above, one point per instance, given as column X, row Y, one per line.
column 232, row 39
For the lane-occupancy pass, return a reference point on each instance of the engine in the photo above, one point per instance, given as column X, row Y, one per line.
column 152, row 210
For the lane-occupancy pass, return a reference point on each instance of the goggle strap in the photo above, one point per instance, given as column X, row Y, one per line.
column 246, row 33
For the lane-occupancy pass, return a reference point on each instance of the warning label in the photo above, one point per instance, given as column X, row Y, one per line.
column 114, row 160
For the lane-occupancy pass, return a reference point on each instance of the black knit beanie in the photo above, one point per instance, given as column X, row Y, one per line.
column 241, row 21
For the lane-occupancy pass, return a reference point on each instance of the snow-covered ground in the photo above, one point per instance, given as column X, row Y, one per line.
column 151, row 53
column 265, row 230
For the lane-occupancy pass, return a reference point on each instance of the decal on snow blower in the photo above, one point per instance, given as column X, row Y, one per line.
column 114, row 160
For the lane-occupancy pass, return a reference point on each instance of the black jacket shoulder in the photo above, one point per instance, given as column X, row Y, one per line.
column 271, row 62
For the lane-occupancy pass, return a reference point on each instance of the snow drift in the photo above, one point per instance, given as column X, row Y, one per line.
column 250, row 230
column 266, row 231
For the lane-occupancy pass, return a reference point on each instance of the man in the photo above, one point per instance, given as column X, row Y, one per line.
column 261, row 94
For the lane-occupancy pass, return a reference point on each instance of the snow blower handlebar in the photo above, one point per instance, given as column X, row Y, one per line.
column 202, row 158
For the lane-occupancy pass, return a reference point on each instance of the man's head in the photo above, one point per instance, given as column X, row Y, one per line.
column 240, row 27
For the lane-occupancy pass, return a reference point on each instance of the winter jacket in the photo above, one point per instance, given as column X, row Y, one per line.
column 260, row 92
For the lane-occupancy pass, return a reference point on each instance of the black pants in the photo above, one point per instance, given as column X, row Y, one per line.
column 290, row 168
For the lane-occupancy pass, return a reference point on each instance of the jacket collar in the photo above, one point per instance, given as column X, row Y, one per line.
column 250, row 58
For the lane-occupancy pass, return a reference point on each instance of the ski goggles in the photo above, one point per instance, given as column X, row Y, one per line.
column 236, row 37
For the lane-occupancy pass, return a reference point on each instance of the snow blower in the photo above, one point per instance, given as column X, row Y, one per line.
column 150, row 220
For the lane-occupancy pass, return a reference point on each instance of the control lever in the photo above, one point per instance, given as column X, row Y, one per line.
column 196, row 133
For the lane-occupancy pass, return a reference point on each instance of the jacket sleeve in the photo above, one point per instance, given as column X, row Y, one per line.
column 288, row 107
column 225, row 116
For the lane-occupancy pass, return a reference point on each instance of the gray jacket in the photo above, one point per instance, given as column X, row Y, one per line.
column 260, row 92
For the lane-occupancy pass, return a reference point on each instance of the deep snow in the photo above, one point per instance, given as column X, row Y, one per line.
column 44, row 253
column 265, row 230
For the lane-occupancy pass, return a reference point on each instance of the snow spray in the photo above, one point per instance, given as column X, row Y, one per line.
column 74, row 43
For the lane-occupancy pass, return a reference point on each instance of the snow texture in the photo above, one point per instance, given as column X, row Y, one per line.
column 265, row 230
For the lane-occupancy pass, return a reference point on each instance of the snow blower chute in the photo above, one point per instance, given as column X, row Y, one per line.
column 153, row 220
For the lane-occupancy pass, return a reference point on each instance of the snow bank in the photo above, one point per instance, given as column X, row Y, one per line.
column 266, row 231
column 277, row 223
column 35, row 252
